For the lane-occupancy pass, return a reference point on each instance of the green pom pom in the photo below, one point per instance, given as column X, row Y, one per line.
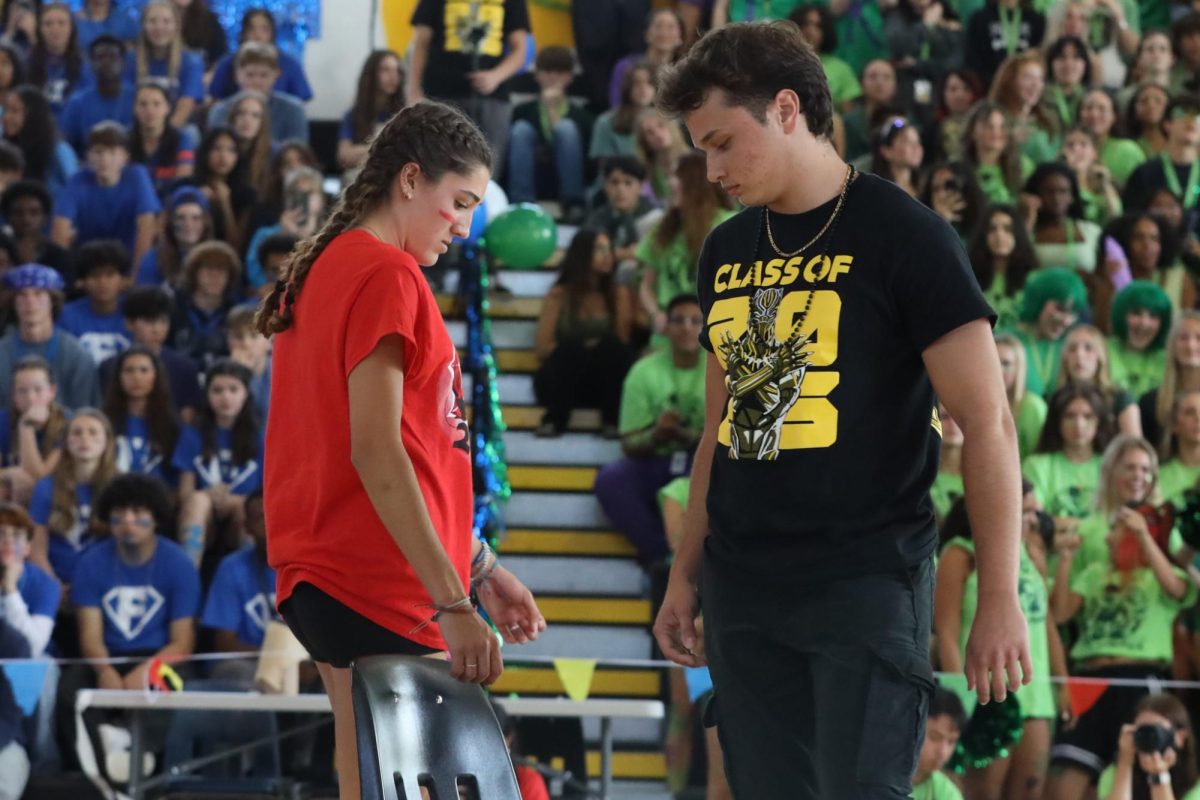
column 992, row 733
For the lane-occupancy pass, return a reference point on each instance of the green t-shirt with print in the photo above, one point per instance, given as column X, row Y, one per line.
column 946, row 488
column 655, row 385
column 1122, row 157
column 1093, row 542
column 1105, row 785
column 1006, row 306
column 843, row 83
column 1175, row 478
column 1125, row 616
column 1037, row 699
column 995, row 186
column 937, row 786
column 1138, row 371
column 674, row 268
column 1066, row 489
column 1030, row 418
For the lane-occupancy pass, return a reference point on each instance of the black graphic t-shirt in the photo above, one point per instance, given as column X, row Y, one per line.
column 830, row 442
column 466, row 33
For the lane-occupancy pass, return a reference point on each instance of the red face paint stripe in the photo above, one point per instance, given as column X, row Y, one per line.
column 446, row 216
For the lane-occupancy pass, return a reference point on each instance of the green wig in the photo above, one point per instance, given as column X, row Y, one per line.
column 1142, row 296
column 1060, row 285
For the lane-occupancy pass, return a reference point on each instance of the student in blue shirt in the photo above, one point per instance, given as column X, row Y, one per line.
column 111, row 98
column 95, row 319
column 29, row 597
column 256, row 67
column 220, row 458
column 36, row 295
column 137, row 596
column 29, row 124
column 26, row 206
column 259, row 26
column 110, row 199
column 138, row 402
column 56, row 63
column 186, row 223
column 32, row 429
column 169, row 153
column 147, row 311
column 161, row 53
column 241, row 598
column 379, row 96
column 211, row 287
column 61, row 507
column 96, row 17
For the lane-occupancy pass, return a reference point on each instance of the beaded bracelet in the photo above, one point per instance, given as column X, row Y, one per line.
column 460, row 606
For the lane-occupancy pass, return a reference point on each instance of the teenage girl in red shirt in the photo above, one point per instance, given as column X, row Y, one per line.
column 368, row 466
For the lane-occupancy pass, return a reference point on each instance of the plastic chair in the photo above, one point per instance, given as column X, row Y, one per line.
column 417, row 727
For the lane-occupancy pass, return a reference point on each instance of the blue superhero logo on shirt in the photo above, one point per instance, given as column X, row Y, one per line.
column 221, row 469
column 135, row 454
column 131, row 608
column 260, row 610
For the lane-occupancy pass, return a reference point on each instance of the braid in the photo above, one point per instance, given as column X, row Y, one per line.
column 437, row 137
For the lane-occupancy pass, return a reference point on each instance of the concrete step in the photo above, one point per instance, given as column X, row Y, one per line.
column 528, row 418
column 554, row 510
column 500, row 306
column 569, row 449
column 506, row 333
column 570, row 640
column 578, row 576
column 594, row 610
column 555, row 541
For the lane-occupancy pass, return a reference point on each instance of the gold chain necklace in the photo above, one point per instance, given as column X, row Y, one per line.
column 836, row 210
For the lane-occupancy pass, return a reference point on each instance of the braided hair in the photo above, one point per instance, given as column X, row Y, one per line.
column 436, row 137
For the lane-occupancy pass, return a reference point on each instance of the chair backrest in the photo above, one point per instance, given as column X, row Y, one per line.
column 418, row 727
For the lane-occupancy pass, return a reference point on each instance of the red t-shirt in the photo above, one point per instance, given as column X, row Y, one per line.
column 321, row 527
column 531, row 783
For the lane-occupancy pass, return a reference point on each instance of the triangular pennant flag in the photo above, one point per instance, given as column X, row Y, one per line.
column 1084, row 695
column 27, row 679
column 576, row 676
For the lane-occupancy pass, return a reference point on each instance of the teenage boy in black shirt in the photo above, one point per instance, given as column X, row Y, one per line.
column 834, row 307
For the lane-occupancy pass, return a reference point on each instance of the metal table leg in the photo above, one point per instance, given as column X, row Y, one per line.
column 606, row 752
column 135, row 755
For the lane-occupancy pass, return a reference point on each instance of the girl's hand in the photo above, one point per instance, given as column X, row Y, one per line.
column 1157, row 763
column 949, row 205
column 1133, row 522
column 1125, row 749
column 511, row 607
column 474, row 653
column 36, row 415
column 1066, row 536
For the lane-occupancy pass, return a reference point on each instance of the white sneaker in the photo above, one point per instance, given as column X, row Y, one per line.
column 116, row 764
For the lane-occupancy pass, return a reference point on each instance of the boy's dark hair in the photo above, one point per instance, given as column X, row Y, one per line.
column 102, row 39
column 945, row 703
column 751, row 62
column 277, row 244
column 11, row 158
column 682, row 300
column 147, row 302
column 554, row 58
column 1186, row 25
column 626, row 164
column 101, row 253
column 108, row 134
column 136, row 490
column 25, row 188
column 1185, row 100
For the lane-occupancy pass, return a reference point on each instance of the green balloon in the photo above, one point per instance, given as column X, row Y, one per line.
column 523, row 237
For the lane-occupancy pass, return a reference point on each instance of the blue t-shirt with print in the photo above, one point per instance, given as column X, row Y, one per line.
column 242, row 596
column 188, row 83
column 138, row 603
column 58, row 88
column 40, row 592
column 242, row 479
column 87, row 107
column 107, row 212
column 136, row 453
column 65, row 547
column 102, row 335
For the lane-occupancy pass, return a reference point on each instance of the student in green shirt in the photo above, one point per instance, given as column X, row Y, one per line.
column 943, row 727
column 989, row 147
column 870, row 110
column 1061, row 236
column 1181, row 469
column 819, row 27
column 1028, row 409
column 1098, row 115
column 1085, row 361
column 1101, row 200
column 668, row 253
column 1002, row 258
column 955, row 603
column 1053, row 300
column 1125, row 609
column 1140, row 321
column 1182, row 373
column 1019, row 89
column 1173, row 770
column 1065, row 470
column 1144, row 119
column 662, row 414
